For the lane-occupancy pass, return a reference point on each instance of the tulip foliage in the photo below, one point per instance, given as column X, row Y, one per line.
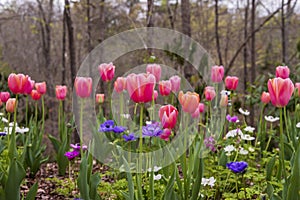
column 160, row 141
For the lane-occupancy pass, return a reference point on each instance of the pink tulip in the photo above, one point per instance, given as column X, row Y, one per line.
column 164, row 88
column 154, row 69
column 29, row 86
column 175, row 83
column 4, row 96
column 35, row 95
column 199, row 110
column 231, row 82
column 209, row 93
column 166, row 134
column 280, row 91
column 61, row 92
column 224, row 100
column 265, row 97
column 10, row 105
column 120, row 84
column 168, row 116
column 217, row 74
column 107, row 71
column 100, row 98
column 83, row 86
column 17, row 83
column 1, row 103
column 41, row 87
column 282, row 72
column 297, row 85
column 141, row 87
column 189, row 101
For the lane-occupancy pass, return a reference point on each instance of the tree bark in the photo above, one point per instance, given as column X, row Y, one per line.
column 283, row 36
column 245, row 47
column 253, row 57
column 71, row 41
column 267, row 19
column 217, row 32
column 186, row 17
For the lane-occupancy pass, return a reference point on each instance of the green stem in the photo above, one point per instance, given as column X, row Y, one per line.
column 245, row 193
column 236, row 187
column 59, row 123
column 43, row 114
column 8, row 133
column 282, row 147
column 286, row 125
column 36, row 114
column 81, row 124
column 139, row 176
column 141, row 130
column 26, row 112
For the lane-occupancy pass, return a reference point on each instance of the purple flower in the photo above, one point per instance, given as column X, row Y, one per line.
column 233, row 119
column 237, row 167
column 107, row 126
column 152, row 130
column 3, row 134
column 76, row 147
column 210, row 143
column 72, row 154
column 119, row 129
column 130, row 137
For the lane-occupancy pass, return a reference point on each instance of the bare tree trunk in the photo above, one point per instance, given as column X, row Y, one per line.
column 45, row 25
column 186, row 29
column 253, row 63
column 150, row 13
column 283, row 36
column 89, row 42
column 63, row 71
column 71, row 41
column 245, row 47
column 217, row 32
column 267, row 19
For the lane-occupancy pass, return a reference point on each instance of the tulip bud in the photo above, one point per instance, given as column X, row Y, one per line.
column 41, row 87
column 10, row 105
column 35, row 95
column 282, row 72
column 100, row 98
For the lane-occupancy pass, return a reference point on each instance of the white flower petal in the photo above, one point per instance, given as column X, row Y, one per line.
column 157, row 177
column 233, row 133
column 225, row 92
column 243, row 151
column 211, row 181
column 4, row 120
column 249, row 129
column 156, row 169
column 298, row 125
column 21, row 130
column 244, row 112
column 247, row 137
column 229, row 148
column 271, row 119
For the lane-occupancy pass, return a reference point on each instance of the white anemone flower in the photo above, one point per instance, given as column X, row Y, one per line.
column 233, row 133
column 22, row 130
column 243, row 151
column 244, row 112
column 247, row 137
column 4, row 120
column 298, row 125
column 271, row 119
column 228, row 149
column 1, row 114
column 208, row 181
column 155, row 169
column 225, row 92
column 249, row 129
column 157, row 177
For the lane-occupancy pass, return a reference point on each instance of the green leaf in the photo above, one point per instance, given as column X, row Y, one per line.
column 294, row 187
column 16, row 174
column 169, row 192
column 32, row 192
column 95, row 180
column 82, row 179
column 55, row 142
column 130, row 195
column 269, row 168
